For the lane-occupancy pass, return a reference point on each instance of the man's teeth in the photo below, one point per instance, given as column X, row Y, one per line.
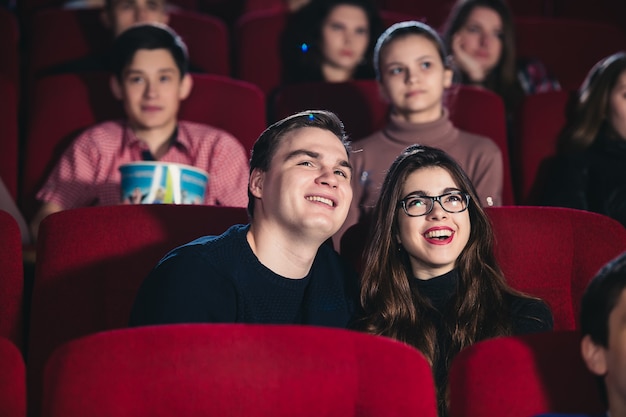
column 438, row 234
column 321, row 200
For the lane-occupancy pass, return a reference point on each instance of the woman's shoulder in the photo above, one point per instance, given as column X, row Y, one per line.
column 529, row 315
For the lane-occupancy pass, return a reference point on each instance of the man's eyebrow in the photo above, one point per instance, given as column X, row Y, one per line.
column 315, row 155
column 300, row 152
column 133, row 71
column 345, row 164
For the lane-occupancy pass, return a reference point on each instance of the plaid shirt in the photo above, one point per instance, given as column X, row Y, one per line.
column 87, row 173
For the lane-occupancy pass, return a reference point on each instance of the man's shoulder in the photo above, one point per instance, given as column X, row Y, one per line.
column 207, row 246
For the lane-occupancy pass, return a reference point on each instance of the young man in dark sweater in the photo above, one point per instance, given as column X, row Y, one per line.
column 276, row 269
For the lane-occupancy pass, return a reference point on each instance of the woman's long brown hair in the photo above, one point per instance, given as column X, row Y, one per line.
column 392, row 309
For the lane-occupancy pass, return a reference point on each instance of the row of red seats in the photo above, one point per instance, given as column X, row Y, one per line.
column 203, row 369
column 569, row 48
column 295, row 370
column 240, row 108
column 91, row 262
column 225, row 370
column 601, row 10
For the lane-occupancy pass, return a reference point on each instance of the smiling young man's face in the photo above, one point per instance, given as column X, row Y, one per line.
column 307, row 188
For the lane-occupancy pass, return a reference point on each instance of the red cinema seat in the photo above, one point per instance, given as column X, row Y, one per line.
column 11, row 281
column 552, row 253
column 547, row 252
column 12, row 380
column 358, row 104
column 26, row 8
column 237, row 370
column 482, row 112
column 257, row 47
column 91, row 262
column 568, row 47
column 257, row 44
column 523, row 376
column 436, row 12
column 9, row 46
column 607, row 11
column 9, row 135
column 62, row 35
column 234, row 106
column 541, row 119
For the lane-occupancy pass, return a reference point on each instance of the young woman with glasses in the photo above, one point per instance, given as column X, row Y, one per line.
column 431, row 278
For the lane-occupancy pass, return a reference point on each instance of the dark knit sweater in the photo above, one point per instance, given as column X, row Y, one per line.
column 593, row 179
column 218, row 279
column 527, row 315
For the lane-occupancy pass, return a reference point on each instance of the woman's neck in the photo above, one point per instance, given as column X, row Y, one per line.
column 417, row 117
column 333, row 74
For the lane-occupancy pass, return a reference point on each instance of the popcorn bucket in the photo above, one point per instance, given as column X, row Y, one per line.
column 156, row 182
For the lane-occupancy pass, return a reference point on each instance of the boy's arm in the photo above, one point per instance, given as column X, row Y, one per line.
column 230, row 173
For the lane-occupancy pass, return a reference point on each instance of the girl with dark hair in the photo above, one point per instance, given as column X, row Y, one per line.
column 330, row 40
column 431, row 278
column 590, row 171
column 481, row 38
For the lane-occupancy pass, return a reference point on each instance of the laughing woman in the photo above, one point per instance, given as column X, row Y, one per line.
column 431, row 279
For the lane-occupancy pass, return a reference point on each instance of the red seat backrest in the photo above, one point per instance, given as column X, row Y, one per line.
column 523, row 376
column 257, row 44
column 568, row 47
column 608, row 11
column 91, row 262
column 547, row 252
column 203, row 369
column 9, row 46
column 552, row 253
column 9, row 135
column 62, row 35
column 12, row 380
column 257, row 47
column 482, row 112
column 357, row 103
column 541, row 119
column 215, row 100
column 11, row 280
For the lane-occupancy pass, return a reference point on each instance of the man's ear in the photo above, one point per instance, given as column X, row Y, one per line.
column 186, row 84
column 255, row 184
column 116, row 87
column 594, row 356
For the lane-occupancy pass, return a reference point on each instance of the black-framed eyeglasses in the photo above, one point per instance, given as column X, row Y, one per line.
column 416, row 205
